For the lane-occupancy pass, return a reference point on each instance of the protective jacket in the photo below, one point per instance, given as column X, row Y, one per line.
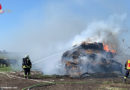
column 127, row 65
column 26, row 63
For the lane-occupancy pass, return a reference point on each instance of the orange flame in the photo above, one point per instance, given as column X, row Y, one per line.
column 107, row 49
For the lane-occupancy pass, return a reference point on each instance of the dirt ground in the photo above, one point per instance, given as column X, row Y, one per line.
column 15, row 81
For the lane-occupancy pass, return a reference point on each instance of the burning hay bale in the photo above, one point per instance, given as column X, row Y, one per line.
column 90, row 58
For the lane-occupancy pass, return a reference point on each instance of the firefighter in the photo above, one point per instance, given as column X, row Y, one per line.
column 26, row 65
column 127, row 67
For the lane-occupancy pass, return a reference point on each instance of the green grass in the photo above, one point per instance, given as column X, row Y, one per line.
column 107, row 82
column 108, row 85
column 104, row 87
column 5, row 69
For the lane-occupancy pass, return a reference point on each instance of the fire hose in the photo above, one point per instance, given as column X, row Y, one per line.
column 52, row 83
column 38, row 85
column 46, row 58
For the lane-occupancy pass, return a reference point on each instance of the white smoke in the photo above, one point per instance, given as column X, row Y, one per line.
column 45, row 39
column 108, row 31
column 105, row 31
column 46, row 53
column 46, row 35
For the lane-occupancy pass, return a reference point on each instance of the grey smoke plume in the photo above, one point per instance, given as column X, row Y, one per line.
column 46, row 38
column 107, row 31
column 99, row 31
column 46, row 45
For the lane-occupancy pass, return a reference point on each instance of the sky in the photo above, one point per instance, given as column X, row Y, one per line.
column 29, row 21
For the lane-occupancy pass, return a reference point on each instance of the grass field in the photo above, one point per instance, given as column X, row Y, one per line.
column 5, row 69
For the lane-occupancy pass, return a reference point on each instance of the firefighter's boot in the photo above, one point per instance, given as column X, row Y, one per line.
column 25, row 76
column 28, row 76
column 125, row 79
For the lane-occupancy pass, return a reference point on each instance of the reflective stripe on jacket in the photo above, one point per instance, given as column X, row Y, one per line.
column 25, row 66
column 128, row 64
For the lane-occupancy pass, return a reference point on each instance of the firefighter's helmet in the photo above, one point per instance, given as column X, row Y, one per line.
column 26, row 56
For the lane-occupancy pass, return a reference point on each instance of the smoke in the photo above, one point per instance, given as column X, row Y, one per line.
column 46, row 33
column 107, row 31
column 46, row 44
column 110, row 32
column 103, row 31
column 44, row 38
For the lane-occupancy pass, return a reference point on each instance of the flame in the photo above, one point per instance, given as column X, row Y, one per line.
column 107, row 48
column 113, row 51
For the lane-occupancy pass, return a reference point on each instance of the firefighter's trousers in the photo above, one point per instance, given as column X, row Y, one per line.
column 26, row 72
column 127, row 73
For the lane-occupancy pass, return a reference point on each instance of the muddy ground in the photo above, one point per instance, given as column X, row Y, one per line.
column 15, row 81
